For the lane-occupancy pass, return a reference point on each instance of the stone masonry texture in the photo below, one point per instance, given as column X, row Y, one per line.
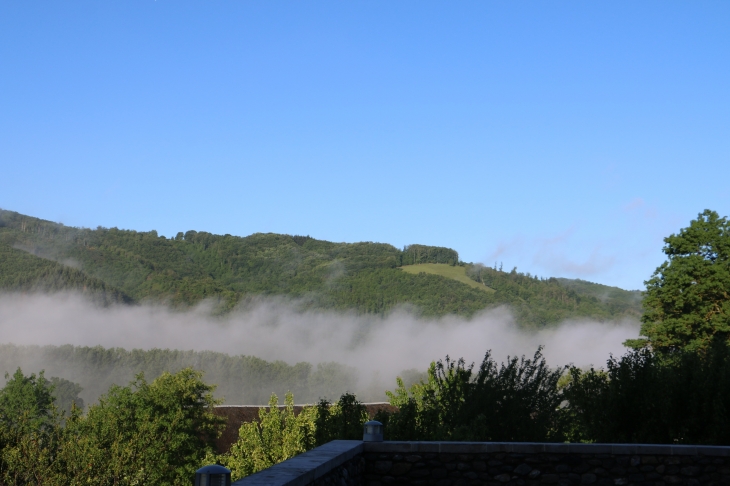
column 351, row 473
column 514, row 469
column 356, row 463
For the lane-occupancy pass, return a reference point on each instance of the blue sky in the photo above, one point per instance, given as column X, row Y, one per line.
column 564, row 138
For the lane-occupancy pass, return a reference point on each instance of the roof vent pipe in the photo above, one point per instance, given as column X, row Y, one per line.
column 372, row 431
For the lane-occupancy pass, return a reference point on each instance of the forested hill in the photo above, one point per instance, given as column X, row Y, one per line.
column 24, row 272
column 129, row 266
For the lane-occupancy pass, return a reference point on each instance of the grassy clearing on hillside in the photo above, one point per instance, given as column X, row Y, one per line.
column 444, row 270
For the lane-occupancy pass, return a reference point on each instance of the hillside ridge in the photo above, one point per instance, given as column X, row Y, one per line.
column 366, row 277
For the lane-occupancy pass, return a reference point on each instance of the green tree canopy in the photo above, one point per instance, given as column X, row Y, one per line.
column 516, row 401
column 687, row 302
column 281, row 433
column 66, row 394
column 278, row 435
column 26, row 400
column 652, row 398
column 144, row 433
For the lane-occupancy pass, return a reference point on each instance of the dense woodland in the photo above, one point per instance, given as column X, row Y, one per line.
column 113, row 265
column 239, row 379
column 24, row 272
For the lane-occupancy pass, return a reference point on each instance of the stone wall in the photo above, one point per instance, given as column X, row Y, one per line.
column 339, row 462
column 351, row 473
column 354, row 463
column 586, row 464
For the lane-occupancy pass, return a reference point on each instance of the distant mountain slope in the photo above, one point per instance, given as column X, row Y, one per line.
column 616, row 299
column 541, row 302
column 364, row 277
column 23, row 272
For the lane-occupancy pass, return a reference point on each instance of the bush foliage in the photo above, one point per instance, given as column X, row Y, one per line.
column 515, row 401
column 144, row 433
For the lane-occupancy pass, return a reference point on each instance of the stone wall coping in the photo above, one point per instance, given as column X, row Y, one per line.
column 545, row 447
column 305, row 468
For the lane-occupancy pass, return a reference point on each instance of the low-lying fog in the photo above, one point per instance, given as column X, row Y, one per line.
column 275, row 330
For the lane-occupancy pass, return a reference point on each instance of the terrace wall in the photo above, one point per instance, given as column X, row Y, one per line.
column 500, row 464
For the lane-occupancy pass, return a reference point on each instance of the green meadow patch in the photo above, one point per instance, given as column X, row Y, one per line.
column 453, row 272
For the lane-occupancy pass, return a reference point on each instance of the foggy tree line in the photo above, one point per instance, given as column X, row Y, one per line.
column 239, row 379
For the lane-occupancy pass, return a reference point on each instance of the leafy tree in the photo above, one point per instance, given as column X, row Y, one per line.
column 649, row 397
column 144, row 433
column 515, row 401
column 29, row 430
column 66, row 394
column 30, row 456
column 26, row 401
column 278, row 435
column 687, row 300
column 343, row 420
column 413, row 254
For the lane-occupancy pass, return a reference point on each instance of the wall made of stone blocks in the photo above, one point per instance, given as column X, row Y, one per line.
column 356, row 463
column 520, row 469
column 351, row 473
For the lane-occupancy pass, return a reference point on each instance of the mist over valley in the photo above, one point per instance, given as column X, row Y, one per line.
column 275, row 313
column 271, row 347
